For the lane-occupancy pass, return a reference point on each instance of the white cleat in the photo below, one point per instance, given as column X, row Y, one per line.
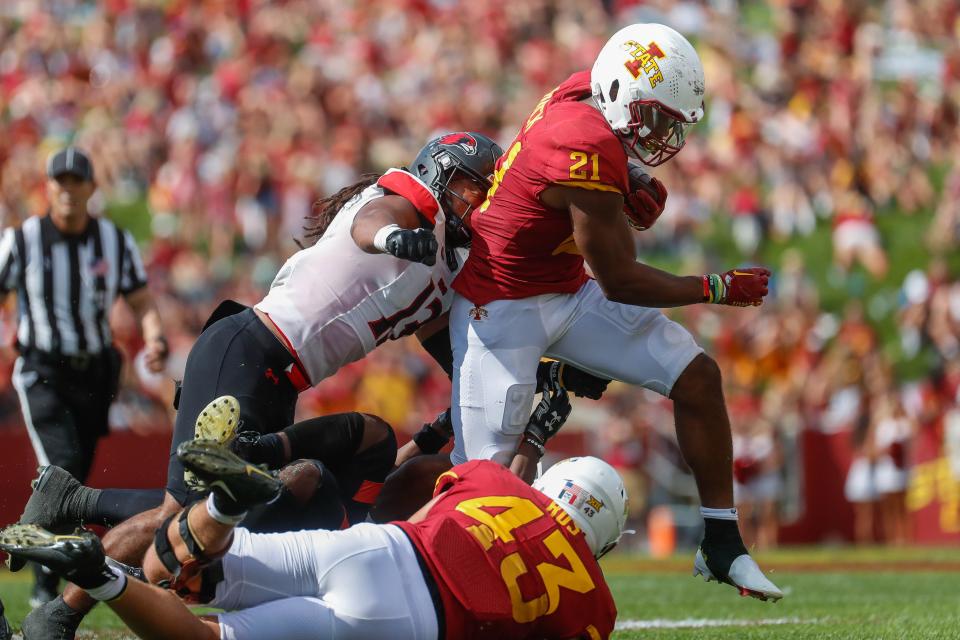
column 744, row 574
column 218, row 422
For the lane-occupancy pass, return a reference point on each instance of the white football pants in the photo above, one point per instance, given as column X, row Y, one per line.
column 496, row 350
column 362, row 582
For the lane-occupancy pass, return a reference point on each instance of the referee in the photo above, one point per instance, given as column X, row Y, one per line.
column 68, row 269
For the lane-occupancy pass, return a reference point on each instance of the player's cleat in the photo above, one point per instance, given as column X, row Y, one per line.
column 217, row 422
column 228, row 475
column 54, row 490
column 54, row 620
column 78, row 557
column 744, row 575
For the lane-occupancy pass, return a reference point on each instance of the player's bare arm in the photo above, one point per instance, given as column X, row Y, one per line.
column 380, row 213
column 603, row 237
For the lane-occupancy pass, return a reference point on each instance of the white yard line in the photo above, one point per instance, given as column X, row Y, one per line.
column 697, row 623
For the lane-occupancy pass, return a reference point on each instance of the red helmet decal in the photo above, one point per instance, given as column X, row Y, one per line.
column 464, row 140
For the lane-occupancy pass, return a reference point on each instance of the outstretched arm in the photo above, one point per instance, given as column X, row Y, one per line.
column 601, row 233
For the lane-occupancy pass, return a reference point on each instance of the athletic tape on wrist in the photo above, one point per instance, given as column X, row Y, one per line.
column 380, row 239
column 112, row 589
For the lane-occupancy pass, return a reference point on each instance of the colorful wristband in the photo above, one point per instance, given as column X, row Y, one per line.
column 714, row 291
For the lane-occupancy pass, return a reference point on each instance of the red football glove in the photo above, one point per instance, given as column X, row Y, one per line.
column 644, row 204
column 737, row 287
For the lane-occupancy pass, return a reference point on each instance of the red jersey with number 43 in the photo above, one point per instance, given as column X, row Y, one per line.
column 509, row 562
column 522, row 248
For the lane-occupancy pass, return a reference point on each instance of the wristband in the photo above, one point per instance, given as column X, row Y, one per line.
column 380, row 239
column 429, row 440
column 713, row 290
column 534, row 442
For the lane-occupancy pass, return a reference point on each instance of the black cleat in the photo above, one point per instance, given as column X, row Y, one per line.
column 53, row 489
column 228, row 475
column 77, row 557
column 47, row 506
column 54, row 620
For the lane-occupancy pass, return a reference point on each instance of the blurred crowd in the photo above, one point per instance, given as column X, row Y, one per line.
column 213, row 125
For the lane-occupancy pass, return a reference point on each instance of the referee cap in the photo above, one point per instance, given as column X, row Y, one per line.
column 70, row 160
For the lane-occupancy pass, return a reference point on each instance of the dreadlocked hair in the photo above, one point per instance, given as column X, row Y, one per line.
column 326, row 209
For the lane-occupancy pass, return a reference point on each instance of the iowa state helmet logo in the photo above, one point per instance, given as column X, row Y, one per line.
column 463, row 140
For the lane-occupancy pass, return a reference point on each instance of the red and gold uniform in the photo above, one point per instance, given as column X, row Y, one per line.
column 509, row 562
column 522, row 248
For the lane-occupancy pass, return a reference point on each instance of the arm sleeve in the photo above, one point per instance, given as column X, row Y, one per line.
column 9, row 269
column 133, row 276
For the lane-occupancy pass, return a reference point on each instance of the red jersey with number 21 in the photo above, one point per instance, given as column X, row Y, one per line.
column 522, row 248
column 509, row 562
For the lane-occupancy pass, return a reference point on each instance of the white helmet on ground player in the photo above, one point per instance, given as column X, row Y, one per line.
column 648, row 83
column 592, row 493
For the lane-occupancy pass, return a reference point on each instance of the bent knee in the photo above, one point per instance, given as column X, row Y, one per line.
column 701, row 378
column 375, row 431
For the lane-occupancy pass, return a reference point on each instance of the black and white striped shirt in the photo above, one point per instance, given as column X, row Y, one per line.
column 66, row 285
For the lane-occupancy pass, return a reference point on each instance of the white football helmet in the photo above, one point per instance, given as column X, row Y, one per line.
column 648, row 83
column 592, row 493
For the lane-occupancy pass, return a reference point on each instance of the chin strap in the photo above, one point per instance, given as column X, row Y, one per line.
column 183, row 573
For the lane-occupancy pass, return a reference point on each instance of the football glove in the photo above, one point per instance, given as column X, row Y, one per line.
column 645, row 202
column 557, row 375
column 737, row 287
column 548, row 416
column 416, row 245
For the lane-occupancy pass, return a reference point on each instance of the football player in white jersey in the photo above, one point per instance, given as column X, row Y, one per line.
column 372, row 275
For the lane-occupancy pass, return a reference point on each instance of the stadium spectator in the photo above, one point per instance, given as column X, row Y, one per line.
column 212, row 124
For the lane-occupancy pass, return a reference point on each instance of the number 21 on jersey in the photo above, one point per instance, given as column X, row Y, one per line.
column 580, row 160
column 516, row 513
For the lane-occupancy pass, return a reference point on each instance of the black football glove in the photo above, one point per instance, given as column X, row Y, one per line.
column 557, row 375
column 548, row 416
column 416, row 245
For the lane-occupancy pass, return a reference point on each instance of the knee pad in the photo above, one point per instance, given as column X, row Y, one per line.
column 183, row 574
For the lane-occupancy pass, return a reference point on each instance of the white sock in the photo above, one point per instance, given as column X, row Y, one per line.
column 730, row 513
column 112, row 589
column 222, row 518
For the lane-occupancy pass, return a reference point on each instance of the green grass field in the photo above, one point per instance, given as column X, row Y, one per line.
column 832, row 593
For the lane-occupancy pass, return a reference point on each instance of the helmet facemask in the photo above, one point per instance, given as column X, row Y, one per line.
column 458, row 235
column 655, row 132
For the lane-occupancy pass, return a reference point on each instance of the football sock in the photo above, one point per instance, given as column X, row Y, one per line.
column 224, row 513
column 81, row 504
column 730, row 513
column 110, row 507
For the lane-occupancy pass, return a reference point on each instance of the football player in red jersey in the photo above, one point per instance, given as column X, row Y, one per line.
column 566, row 192
column 489, row 556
